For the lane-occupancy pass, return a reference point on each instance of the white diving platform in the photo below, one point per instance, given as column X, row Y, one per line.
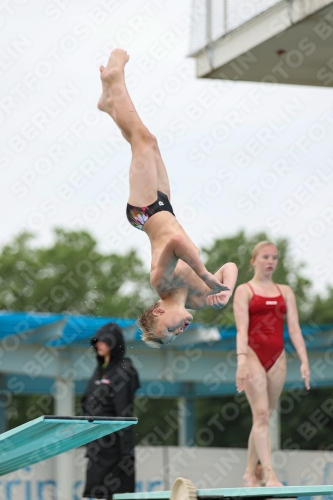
column 276, row 41
column 49, row 435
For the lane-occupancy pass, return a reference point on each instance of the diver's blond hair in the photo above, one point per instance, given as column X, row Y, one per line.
column 147, row 323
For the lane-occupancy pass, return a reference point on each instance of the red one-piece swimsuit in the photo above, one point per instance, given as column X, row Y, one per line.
column 265, row 334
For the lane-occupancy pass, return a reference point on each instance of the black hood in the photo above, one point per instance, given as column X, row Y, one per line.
column 112, row 334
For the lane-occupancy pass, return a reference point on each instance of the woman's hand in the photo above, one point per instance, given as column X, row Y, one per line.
column 213, row 283
column 218, row 300
column 242, row 374
column 305, row 372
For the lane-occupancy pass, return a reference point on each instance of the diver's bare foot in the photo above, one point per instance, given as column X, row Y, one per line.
column 118, row 58
column 105, row 102
column 250, row 480
column 271, row 479
column 273, row 482
column 113, row 73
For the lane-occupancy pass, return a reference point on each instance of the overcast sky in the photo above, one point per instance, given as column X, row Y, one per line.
column 239, row 155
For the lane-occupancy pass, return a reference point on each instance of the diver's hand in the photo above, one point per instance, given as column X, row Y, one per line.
column 218, row 300
column 213, row 283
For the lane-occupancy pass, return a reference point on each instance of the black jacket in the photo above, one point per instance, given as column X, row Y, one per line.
column 111, row 390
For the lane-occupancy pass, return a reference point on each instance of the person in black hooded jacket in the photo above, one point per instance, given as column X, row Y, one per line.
column 110, row 393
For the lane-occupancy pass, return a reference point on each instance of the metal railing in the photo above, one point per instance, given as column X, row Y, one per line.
column 211, row 19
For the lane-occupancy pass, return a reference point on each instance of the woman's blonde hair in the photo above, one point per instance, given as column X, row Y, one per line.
column 256, row 249
column 147, row 323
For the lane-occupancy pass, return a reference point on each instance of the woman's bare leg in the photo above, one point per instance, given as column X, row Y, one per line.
column 259, row 373
column 275, row 381
column 249, row 477
column 257, row 394
column 276, row 377
column 116, row 101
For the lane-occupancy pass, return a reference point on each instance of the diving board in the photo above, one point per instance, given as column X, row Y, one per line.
column 51, row 435
column 264, row 492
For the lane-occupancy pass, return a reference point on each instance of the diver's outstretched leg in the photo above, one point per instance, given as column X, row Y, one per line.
column 115, row 101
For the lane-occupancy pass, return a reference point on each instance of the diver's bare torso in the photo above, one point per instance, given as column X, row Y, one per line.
column 160, row 229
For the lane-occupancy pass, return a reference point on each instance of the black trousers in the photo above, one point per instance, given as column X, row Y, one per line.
column 108, row 472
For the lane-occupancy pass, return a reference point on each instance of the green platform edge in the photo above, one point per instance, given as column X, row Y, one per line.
column 279, row 492
column 19, row 446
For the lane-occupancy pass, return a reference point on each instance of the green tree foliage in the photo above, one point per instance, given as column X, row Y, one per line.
column 306, row 419
column 22, row 408
column 72, row 276
column 157, row 421
column 223, row 422
column 238, row 249
column 321, row 311
column 157, row 418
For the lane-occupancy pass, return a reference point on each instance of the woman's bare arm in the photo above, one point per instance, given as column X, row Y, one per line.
column 241, row 312
column 295, row 334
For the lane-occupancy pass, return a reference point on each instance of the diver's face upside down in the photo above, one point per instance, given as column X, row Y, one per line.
column 171, row 321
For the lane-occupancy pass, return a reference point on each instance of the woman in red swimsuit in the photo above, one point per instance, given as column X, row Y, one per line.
column 260, row 306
